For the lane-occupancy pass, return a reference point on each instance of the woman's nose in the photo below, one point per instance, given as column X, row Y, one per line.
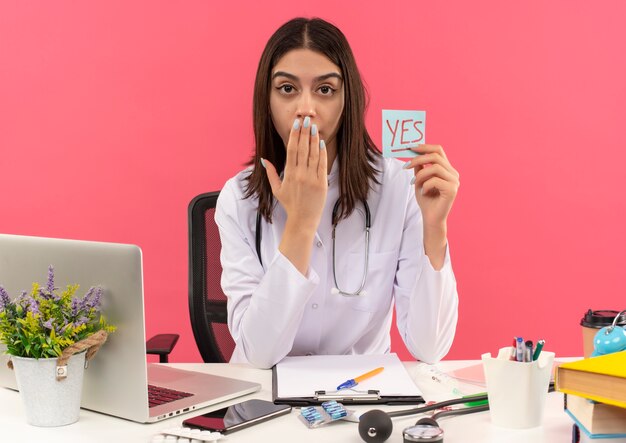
column 306, row 106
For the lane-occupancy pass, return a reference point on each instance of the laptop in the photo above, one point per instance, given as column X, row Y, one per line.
column 117, row 378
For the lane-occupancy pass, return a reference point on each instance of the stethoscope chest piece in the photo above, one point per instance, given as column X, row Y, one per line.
column 422, row 433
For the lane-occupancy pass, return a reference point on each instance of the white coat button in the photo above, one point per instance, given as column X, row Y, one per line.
column 314, row 305
column 319, row 243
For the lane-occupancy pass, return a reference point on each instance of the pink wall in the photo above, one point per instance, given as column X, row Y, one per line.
column 113, row 115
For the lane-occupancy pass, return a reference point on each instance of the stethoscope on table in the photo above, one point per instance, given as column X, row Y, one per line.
column 375, row 426
column 336, row 289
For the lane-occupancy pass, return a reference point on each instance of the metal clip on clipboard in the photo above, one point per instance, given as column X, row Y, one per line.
column 347, row 394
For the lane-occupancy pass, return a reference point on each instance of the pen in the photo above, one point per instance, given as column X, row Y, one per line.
column 514, row 350
column 356, row 380
column 538, row 349
column 520, row 349
column 528, row 351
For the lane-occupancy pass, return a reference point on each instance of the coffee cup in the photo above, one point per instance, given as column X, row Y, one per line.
column 592, row 322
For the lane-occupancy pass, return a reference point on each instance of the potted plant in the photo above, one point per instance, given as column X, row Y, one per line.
column 50, row 335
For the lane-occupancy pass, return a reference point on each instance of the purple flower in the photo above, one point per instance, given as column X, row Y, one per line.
column 23, row 300
column 96, row 299
column 48, row 324
column 92, row 299
column 33, row 306
column 50, row 287
column 43, row 294
column 86, row 298
column 81, row 321
column 23, row 296
column 75, row 307
column 4, row 298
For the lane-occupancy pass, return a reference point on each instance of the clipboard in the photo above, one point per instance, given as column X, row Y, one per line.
column 303, row 373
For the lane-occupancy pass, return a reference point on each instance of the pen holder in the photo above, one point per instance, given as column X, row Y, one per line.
column 517, row 390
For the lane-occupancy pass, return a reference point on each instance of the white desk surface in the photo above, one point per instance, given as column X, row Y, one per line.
column 95, row 427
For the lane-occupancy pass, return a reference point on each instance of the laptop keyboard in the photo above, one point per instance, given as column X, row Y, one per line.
column 159, row 396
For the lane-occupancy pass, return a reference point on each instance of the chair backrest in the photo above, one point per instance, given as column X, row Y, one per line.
column 207, row 302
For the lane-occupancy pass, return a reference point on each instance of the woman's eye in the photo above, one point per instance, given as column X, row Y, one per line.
column 287, row 89
column 326, row 90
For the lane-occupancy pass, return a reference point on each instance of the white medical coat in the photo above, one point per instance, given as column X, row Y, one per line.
column 274, row 310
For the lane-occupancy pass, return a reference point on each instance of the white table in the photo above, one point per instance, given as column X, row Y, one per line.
column 473, row 428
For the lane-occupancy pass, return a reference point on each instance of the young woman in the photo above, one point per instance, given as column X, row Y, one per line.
column 321, row 235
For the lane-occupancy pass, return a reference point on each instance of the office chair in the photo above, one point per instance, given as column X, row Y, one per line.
column 162, row 345
column 207, row 302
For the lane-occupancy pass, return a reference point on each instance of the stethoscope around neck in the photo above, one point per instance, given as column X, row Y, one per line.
column 336, row 289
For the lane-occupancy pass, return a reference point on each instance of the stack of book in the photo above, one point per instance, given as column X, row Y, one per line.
column 595, row 397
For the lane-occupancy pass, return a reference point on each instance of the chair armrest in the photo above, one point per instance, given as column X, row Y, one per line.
column 161, row 345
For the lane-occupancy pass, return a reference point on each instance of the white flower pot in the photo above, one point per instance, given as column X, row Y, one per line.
column 49, row 402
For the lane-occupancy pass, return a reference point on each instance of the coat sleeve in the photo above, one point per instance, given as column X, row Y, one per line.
column 265, row 306
column 426, row 299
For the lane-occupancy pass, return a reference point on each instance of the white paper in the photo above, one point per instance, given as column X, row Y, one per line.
column 302, row 376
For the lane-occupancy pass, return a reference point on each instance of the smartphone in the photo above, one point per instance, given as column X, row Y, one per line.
column 238, row 416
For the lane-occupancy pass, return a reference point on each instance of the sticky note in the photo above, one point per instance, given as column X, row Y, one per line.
column 402, row 129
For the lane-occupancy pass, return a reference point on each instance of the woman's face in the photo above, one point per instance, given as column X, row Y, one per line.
column 306, row 83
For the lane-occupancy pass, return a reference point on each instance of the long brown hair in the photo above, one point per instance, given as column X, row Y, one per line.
column 356, row 152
